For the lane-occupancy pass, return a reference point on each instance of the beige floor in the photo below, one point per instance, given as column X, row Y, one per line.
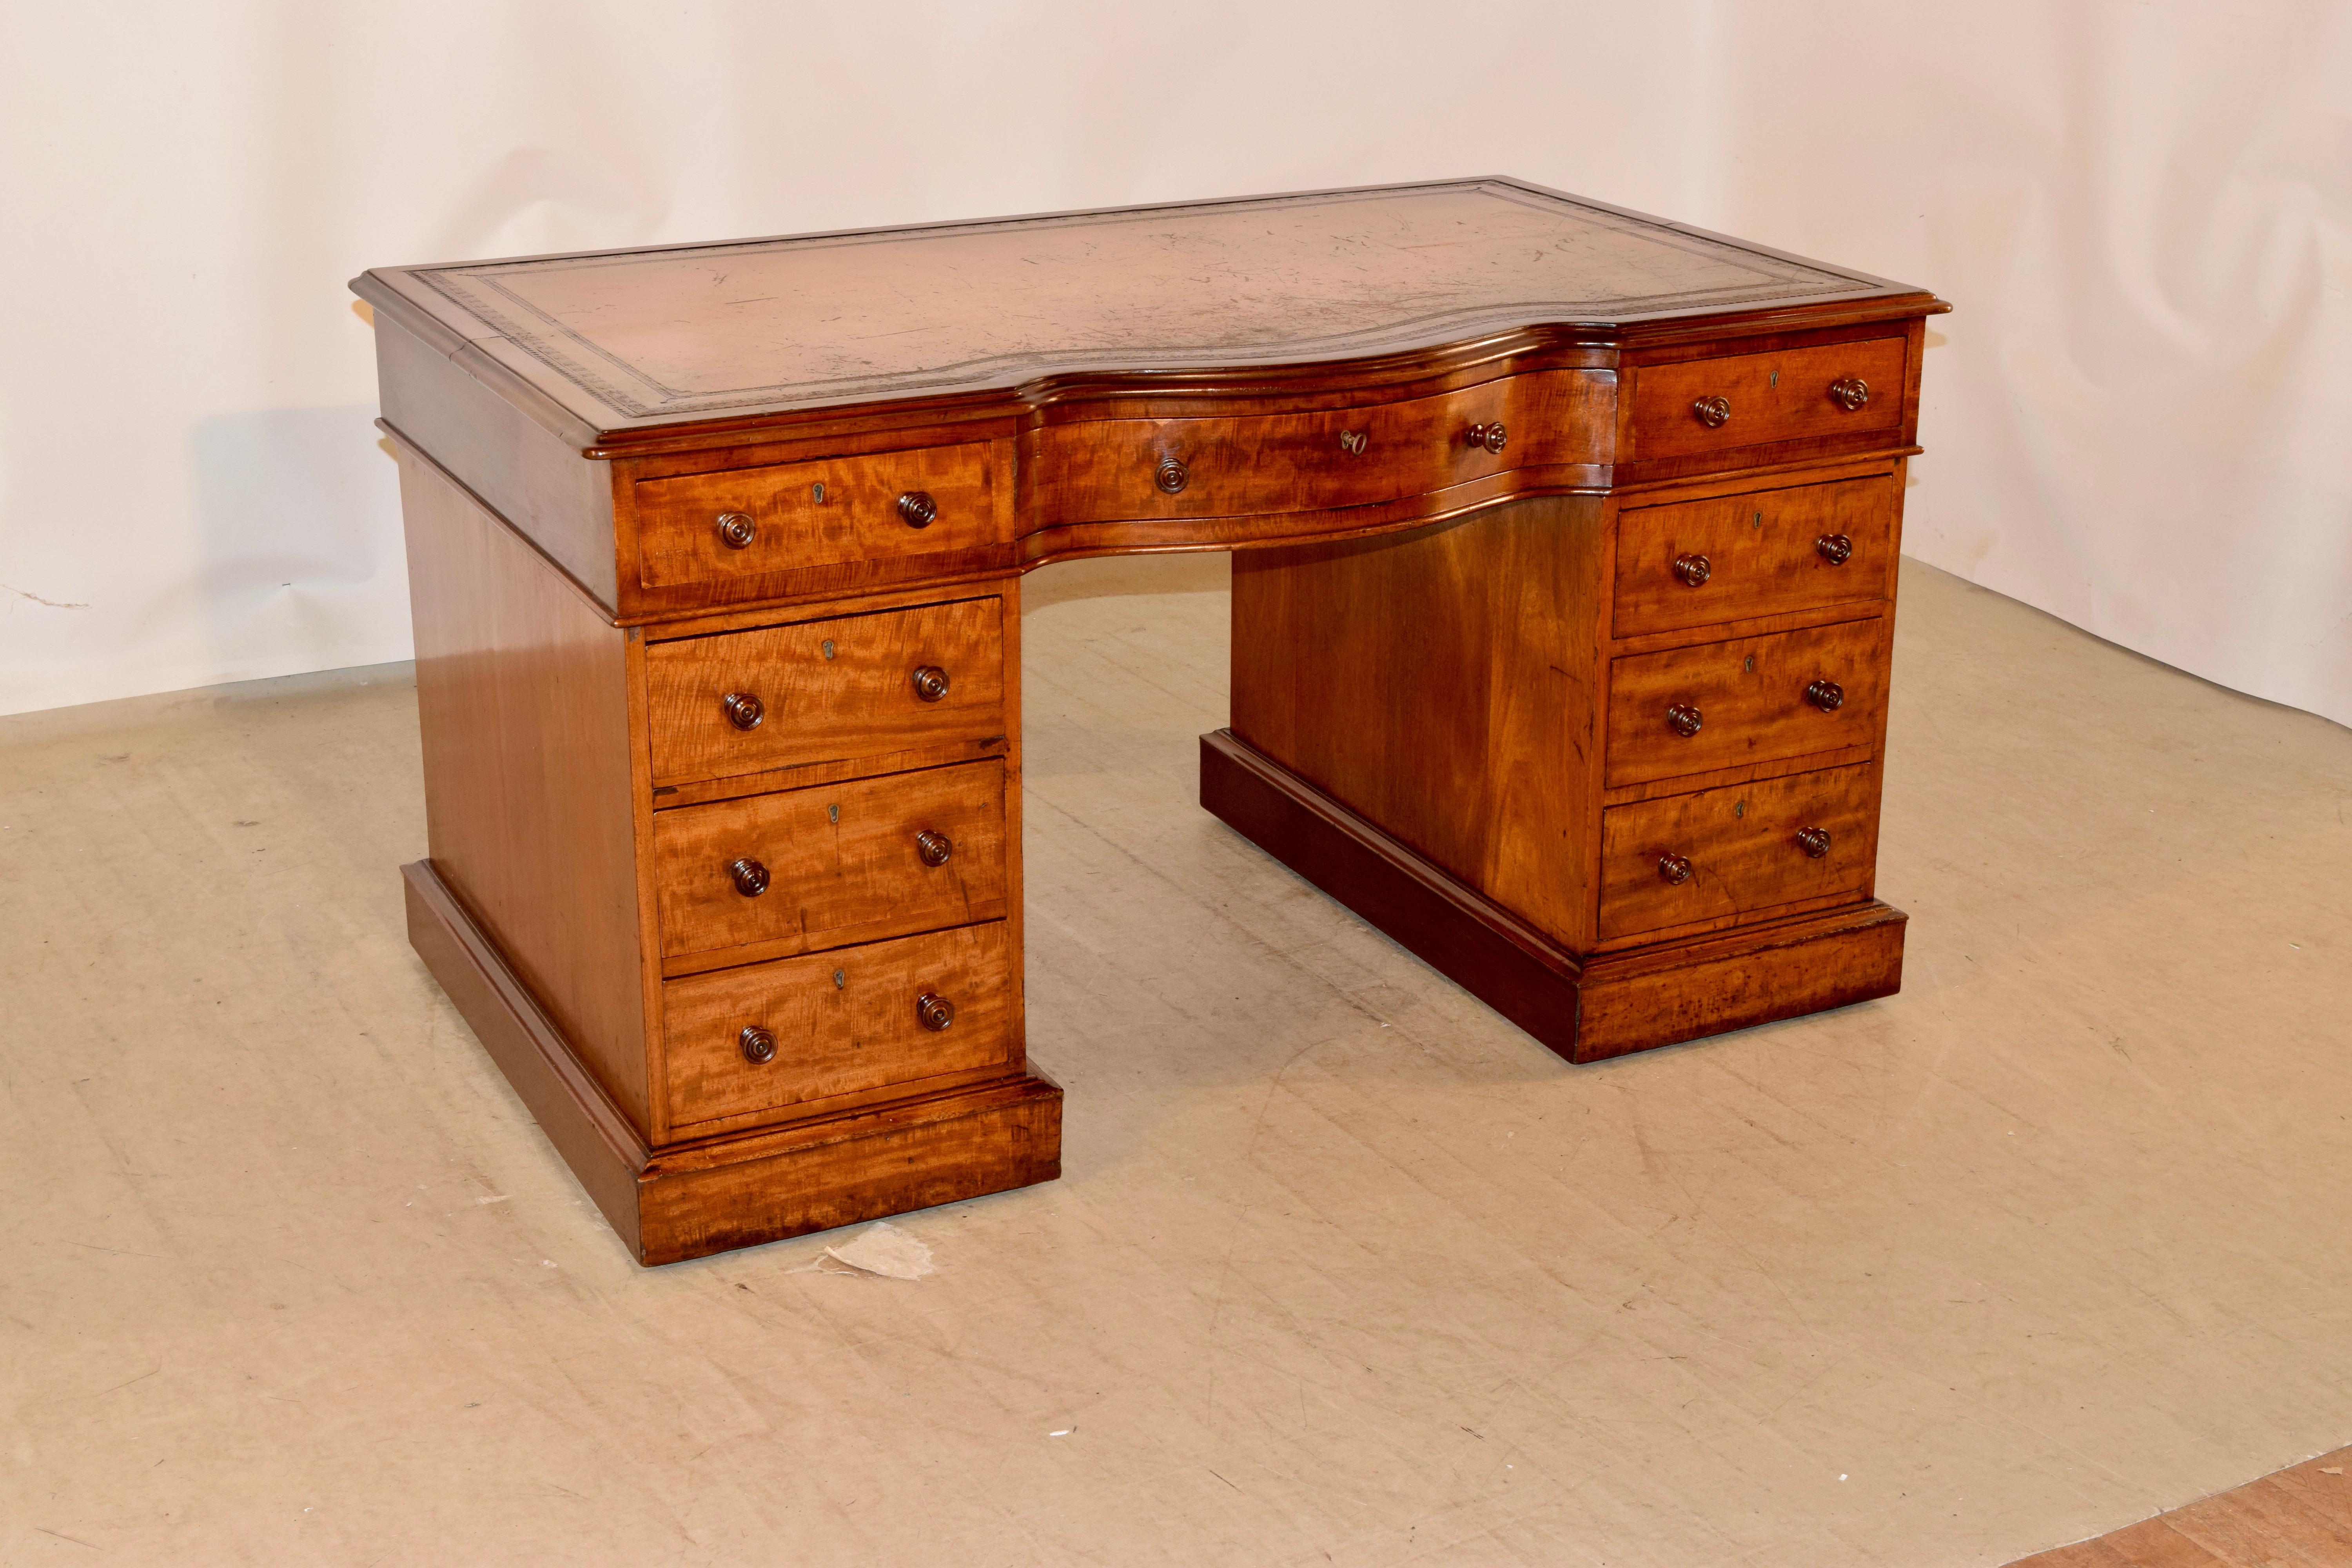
column 1343, row 1269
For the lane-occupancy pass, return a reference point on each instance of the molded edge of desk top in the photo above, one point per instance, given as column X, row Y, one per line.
column 1247, row 298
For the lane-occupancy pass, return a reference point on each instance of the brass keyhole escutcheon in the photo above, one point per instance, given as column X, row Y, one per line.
column 1748, row 665
column 828, row 647
column 817, row 492
column 1759, row 519
column 833, row 813
column 1353, row 442
column 1739, row 808
column 1773, row 380
column 841, row 980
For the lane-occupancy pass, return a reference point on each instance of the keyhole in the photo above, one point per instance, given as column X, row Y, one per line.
column 833, row 813
column 1759, row 519
column 1739, row 808
column 1776, row 379
column 840, row 979
column 828, row 650
column 817, row 492
column 1749, row 663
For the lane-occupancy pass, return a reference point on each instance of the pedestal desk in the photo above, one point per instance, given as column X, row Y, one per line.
column 1564, row 573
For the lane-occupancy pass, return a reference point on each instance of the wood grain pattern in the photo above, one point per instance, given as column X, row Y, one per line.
column 820, row 513
column 2300, row 1517
column 1749, row 693
column 1443, row 686
column 1774, row 396
column 1103, row 470
column 858, row 699
column 844, row 865
column 1584, row 1008
column 522, row 707
column 708, row 1195
column 1762, row 550
column 843, row 1021
column 1741, row 843
column 814, row 1176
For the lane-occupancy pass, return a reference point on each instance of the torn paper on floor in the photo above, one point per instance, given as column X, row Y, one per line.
column 882, row 1249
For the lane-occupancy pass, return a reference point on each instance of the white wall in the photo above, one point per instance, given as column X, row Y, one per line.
column 2141, row 210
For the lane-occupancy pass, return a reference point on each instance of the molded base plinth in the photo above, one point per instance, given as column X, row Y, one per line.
column 690, row 1199
column 1584, row 1008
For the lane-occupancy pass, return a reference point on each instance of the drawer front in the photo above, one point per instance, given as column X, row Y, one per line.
column 1701, row 562
column 840, row 1023
column 1115, row 470
column 1765, row 397
column 1742, row 846
column 822, row 513
column 834, row 865
column 1749, row 698
column 828, row 691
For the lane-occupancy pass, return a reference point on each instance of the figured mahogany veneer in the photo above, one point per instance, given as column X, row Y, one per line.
column 1560, row 642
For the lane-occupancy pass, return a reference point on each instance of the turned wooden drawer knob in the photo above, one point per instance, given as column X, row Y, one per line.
column 1850, row 392
column 1826, row 695
column 1675, row 868
column 751, row 877
column 934, row 848
column 1171, row 475
column 759, row 1046
column 1490, row 438
column 1693, row 570
column 744, row 710
column 931, row 682
column 935, row 1012
column 1813, row 841
column 917, row 508
column 1713, row 412
column 736, row 530
column 1835, row 548
column 1683, row 720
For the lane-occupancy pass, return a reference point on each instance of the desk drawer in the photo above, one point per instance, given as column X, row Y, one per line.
column 1120, row 469
column 838, row 1022
column 880, row 508
column 1738, row 850
column 1701, row 562
column 1748, row 698
column 826, row 691
column 1766, row 398
column 834, row 865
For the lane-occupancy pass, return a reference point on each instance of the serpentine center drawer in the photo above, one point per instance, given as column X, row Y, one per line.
column 1701, row 562
column 807, row 868
column 1747, row 700
column 822, row 692
column 883, row 506
column 1739, row 851
column 1126, row 470
column 1745, row 400
column 770, row 1035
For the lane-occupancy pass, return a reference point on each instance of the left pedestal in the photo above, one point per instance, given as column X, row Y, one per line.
column 754, row 979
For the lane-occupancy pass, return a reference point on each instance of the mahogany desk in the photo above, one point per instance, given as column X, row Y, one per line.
column 1565, row 572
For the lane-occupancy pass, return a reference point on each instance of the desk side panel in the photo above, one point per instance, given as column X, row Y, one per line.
column 523, row 696
column 1444, row 686
column 560, row 499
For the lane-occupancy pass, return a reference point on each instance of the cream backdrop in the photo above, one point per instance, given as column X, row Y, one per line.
column 2138, row 418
